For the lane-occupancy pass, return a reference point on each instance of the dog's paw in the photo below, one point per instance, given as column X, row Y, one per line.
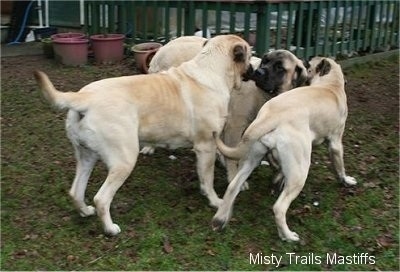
column 290, row 236
column 147, row 150
column 245, row 186
column 350, row 181
column 217, row 224
column 87, row 211
column 112, row 230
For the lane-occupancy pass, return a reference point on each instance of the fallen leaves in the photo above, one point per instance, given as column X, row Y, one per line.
column 167, row 247
column 385, row 241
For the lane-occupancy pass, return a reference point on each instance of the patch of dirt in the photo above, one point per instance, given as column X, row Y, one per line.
column 377, row 90
column 64, row 78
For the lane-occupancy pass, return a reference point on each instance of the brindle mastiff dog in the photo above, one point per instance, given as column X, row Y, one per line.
column 287, row 126
column 181, row 107
column 275, row 73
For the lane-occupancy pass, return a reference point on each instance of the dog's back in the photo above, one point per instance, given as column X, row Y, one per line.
column 176, row 52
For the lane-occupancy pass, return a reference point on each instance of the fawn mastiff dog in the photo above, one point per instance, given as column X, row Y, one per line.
column 276, row 72
column 176, row 52
column 287, row 126
column 181, row 107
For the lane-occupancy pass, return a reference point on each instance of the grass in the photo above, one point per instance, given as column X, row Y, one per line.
column 165, row 221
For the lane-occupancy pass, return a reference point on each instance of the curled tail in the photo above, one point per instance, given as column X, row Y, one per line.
column 233, row 153
column 62, row 100
column 253, row 133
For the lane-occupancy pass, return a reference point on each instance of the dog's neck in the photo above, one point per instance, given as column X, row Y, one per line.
column 205, row 73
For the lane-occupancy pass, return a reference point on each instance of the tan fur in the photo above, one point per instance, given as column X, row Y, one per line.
column 287, row 126
column 107, row 119
column 176, row 52
column 245, row 101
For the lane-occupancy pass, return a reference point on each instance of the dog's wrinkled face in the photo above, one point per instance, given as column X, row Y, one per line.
column 280, row 71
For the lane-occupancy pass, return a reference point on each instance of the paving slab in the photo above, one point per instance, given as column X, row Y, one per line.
column 21, row 49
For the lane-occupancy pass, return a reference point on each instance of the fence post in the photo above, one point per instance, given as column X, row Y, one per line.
column 261, row 29
column 190, row 14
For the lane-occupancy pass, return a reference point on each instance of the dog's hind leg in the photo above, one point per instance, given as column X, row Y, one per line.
column 247, row 166
column 119, row 151
column 118, row 171
column 336, row 155
column 295, row 162
column 86, row 160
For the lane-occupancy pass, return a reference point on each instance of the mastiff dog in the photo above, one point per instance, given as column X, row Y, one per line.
column 286, row 127
column 181, row 107
column 176, row 52
column 275, row 73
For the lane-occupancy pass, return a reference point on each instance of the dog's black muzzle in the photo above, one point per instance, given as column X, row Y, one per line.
column 262, row 80
column 259, row 74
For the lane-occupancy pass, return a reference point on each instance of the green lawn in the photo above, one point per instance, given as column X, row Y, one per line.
column 165, row 220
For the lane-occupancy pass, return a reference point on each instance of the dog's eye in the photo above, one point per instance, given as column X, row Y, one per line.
column 278, row 67
column 265, row 61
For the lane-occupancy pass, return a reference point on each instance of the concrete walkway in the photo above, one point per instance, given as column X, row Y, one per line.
column 21, row 49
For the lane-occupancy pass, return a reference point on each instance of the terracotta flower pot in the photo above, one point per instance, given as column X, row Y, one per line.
column 71, row 51
column 143, row 53
column 108, row 48
column 68, row 35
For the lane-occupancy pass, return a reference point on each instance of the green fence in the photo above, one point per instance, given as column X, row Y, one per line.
column 308, row 28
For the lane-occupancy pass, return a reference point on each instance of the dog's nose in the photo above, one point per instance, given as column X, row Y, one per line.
column 259, row 72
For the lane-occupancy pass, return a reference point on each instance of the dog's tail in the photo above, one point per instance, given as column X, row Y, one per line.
column 62, row 100
column 233, row 153
column 257, row 129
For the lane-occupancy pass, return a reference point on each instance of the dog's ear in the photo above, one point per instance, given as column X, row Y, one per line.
column 300, row 77
column 239, row 53
column 323, row 68
column 306, row 63
column 249, row 74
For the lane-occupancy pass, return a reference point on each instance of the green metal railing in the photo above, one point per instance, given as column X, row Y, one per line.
column 308, row 28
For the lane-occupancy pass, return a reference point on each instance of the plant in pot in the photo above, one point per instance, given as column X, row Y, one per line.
column 108, row 48
column 47, row 45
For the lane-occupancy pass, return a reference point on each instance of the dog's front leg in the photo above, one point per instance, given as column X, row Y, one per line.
column 231, row 135
column 336, row 155
column 205, row 156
